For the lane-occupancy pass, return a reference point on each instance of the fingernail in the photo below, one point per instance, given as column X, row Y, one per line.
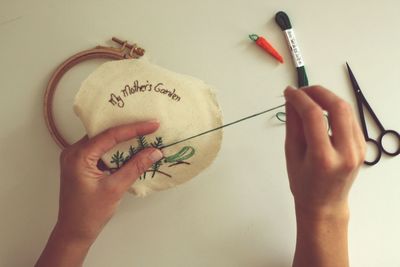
column 156, row 155
column 153, row 121
column 289, row 88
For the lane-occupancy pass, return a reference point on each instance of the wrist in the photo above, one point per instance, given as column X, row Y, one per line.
column 321, row 235
column 62, row 235
column 63, row 249
column 338, row 212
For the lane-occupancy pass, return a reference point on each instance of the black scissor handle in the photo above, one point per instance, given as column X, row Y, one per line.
column 378, row 152
column 380, row 139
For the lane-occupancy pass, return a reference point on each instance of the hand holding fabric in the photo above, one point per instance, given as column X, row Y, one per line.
column 90, row 196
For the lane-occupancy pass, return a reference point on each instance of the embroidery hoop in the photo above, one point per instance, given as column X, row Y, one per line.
column 125, row 51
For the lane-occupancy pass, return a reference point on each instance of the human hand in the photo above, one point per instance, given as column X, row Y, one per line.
column 321, row 168
column 89, row 196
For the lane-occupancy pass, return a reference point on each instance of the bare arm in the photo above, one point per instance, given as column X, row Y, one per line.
column 321, row 171
column 89, row 196
column 321, row 240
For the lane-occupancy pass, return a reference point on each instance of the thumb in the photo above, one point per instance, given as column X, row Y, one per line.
column 135, row 167
column 295, row 142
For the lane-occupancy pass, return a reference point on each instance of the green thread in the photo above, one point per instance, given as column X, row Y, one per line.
column 222, row 126
column 302, row 79
column 183, row 154
column 156, row 166
column 158, row 143
column 118, row 159
column 142, row 145
column 253, row 37
column 132, row 151
column 142, row 142
column 282, row 19
column 281, row 116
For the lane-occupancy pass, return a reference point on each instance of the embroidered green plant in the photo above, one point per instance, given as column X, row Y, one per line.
column 179, row 158
column 118, row 159
column 132, row 151
column 156, row 166
column 142, row 142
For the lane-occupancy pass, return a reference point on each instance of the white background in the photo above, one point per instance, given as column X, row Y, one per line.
column 239, row 212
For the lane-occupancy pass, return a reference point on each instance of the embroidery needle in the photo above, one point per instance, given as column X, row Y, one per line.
column 223, row 126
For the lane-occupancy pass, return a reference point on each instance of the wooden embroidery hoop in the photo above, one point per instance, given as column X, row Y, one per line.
column 125, row 51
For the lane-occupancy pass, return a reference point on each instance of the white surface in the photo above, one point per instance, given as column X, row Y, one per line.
column 239, row 212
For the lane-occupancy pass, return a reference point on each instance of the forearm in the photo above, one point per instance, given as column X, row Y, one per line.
column 321, row 239
column 61, row 250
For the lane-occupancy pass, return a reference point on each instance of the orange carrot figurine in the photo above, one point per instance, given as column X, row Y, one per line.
column 264, row 44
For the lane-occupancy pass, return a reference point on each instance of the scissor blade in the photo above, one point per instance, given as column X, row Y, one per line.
column 353, row 80
column 360, row 98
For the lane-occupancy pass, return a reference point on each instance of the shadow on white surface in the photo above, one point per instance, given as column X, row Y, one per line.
column 30, row 189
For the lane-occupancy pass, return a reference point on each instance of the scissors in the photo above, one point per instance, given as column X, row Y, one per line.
column 362, row 101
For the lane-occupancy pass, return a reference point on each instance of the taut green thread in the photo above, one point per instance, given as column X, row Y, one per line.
column 223, row 126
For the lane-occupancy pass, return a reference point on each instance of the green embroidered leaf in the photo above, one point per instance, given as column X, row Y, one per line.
column 183, row 154
column 118, row 159
column 158, row 143
column 142, row 143
column 132, row 151
column 156, row 166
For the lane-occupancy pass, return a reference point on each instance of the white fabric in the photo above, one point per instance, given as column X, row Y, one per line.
column 124, row 91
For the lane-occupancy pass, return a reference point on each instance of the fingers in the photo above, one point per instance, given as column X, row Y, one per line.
column 341, row 116
column 81, row 141
column 106, row 140
column 312, row 119
column 128, row 174
column 295, row 143
column 360, row 140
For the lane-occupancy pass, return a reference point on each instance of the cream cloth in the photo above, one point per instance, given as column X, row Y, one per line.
column 125, row 91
